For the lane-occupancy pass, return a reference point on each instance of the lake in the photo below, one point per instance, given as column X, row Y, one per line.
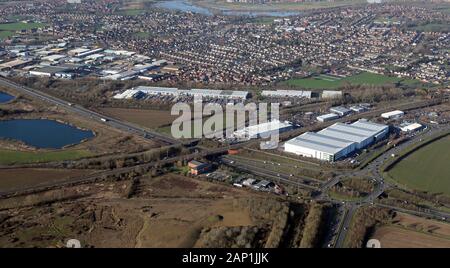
column 185, row 6
column 43, row 133
column 4, row 97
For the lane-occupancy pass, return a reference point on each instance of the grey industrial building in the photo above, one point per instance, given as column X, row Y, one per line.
column 337, row 141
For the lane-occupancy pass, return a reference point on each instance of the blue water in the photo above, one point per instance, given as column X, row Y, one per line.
column 185, row 6
column 42, row 133
column 5, row 97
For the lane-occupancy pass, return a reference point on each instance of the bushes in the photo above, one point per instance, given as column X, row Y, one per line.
column 278, row 226
column 230, row 237
column 365, row 220
column 120, row 161
column 131, row 187
column 270, row 211
column 313, row 224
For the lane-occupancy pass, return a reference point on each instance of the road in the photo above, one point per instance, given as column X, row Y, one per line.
column 345, row 224
column 350, row 208
column 88, row 114
column 373, row 170
column 116, row 171
column 269, row 174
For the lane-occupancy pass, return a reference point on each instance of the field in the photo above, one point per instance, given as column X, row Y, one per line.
column 5, row 34
column 132, row 12
column 147, row 118
column 333, row 82
column 433, row 27
column 16, row 26
column 166, row 211
column 426, row 169
column 11, row 179
column 413, row 232
column 8, row 29
column 196, row 124
column 8, row 157
column 143, row 34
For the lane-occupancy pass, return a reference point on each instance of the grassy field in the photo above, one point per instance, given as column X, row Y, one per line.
column 426, row 169
column 16, row 26
column 8, row 29
column 332, row 82
column 8, row 157
column 5, row 34
column 132, row 12
column 433, row 27
column 143, row 34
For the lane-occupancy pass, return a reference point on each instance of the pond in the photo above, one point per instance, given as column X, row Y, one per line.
column 186, row 6
column 181, row 5
column 43, row 133
column 4, row 97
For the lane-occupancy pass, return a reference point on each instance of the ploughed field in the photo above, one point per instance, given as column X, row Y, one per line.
column 409, row 231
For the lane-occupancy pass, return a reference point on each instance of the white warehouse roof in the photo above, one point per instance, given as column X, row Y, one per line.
column 192, row 92
column 396, row 113
column 287, row 93
column 338, row 140
column 411, row 127
column 267, row 127
column 315, row 145
column 327, row 117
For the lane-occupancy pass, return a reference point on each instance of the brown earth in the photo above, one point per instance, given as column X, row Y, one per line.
column 409, row 231
column 15, row 178
column 147, row 118
column 99, row 215
column 395, row 237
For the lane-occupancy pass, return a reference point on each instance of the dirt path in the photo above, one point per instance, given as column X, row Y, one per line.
column 139, row 236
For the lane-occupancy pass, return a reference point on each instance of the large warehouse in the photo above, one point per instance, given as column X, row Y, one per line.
column 262, row 130
column 337, row 141
column 160, row 91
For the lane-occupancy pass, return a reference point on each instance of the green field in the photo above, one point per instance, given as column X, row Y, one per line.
column 433, row 27
column 426, row 169
column 8, row 157
column 332, row 82
column 16, row 26
column 6, row 34
column 131, row 12
column 143, row 34
column 8, row 29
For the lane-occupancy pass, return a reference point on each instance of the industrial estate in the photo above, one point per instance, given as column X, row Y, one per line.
column 349, row 147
